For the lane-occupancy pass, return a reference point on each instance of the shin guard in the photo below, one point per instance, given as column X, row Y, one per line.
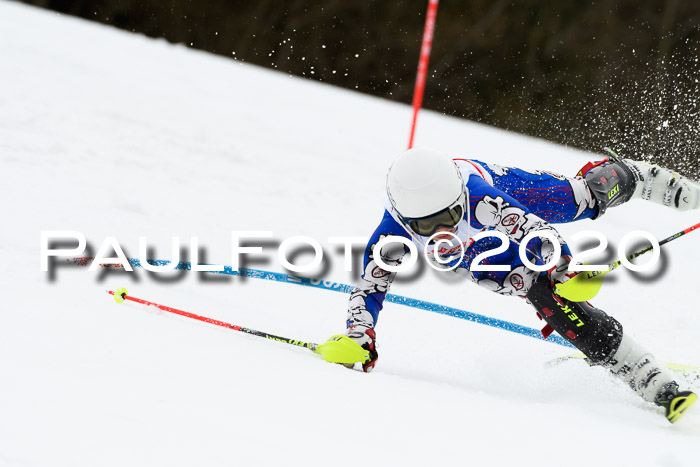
column 587, row 328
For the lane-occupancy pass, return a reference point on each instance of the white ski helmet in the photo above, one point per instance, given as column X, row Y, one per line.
column 426, row 189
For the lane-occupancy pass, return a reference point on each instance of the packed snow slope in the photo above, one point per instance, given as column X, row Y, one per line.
column 113, row 134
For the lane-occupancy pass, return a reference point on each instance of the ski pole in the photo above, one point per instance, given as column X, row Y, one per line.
column 121, row 294
column 338, row 349
column 614, row 265
column 585, row 285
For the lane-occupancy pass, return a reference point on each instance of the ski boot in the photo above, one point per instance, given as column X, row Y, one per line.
column 614, row 181
column 636, row 366
column 675, row 402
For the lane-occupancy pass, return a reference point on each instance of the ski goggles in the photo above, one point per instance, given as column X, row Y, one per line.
column 447, row 218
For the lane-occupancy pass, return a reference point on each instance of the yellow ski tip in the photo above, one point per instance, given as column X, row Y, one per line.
column 679, row 405
column 582, row 287
column 342, row 349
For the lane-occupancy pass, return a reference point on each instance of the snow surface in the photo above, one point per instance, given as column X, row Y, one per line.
column 114, row 134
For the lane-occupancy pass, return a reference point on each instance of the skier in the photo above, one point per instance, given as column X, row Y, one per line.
column 440, row 204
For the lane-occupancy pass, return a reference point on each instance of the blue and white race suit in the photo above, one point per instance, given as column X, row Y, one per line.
column 509, row 200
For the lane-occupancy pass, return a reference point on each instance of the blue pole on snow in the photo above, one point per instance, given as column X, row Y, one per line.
column 399, row 299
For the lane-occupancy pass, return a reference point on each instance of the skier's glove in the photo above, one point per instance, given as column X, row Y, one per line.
column 574, row 286
column 559, row 274
column 367, row 339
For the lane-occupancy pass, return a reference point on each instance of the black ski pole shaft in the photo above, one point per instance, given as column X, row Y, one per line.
column 120, row 295
column 636, row 254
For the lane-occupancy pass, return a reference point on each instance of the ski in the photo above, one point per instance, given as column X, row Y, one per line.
column 690, row 372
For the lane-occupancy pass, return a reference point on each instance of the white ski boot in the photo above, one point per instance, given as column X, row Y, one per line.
column 637, row 367
column 615, row 181
column 662, row 186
